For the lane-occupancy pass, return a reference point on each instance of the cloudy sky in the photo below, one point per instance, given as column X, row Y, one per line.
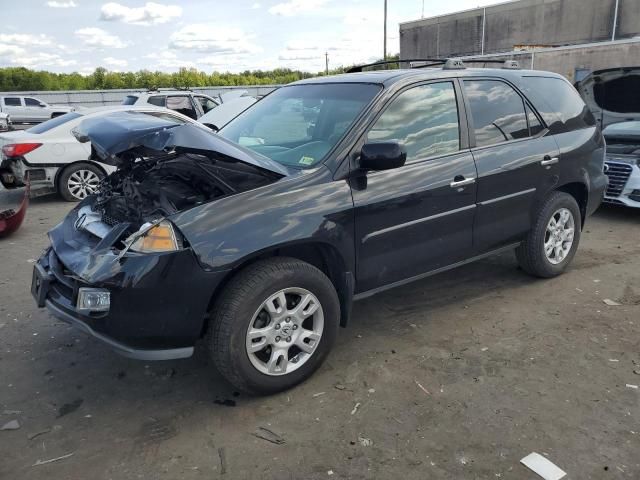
column 223, row 35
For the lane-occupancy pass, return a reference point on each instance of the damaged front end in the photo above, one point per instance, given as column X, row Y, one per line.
column 117, row 267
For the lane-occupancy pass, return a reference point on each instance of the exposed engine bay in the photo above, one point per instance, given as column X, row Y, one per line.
column 146, row 189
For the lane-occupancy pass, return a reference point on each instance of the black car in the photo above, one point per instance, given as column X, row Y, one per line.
column 327, row 191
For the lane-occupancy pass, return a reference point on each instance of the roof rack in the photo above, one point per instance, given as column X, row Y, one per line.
column 447, row 63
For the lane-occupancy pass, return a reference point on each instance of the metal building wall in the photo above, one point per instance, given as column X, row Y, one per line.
column 498, row 28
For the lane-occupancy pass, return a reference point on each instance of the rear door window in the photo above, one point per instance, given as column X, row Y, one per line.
column 12, row 101
column 424, row 119
column 129, row 100
column 558, row 102
column 182, row 104
column 157, row 100
column 206, row 103
column 535, row 126
column 497, row 111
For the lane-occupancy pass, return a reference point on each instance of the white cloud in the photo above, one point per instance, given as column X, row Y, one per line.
column 296, row 7
column 96, row 37
column 213, row 39
column 41, row 60
column 24, row 39
column 151, row 14
column 9, row 51
column 168, row 60
column 115, row 62
column 68, row 4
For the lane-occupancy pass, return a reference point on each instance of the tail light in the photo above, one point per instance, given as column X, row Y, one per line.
column 19, row 149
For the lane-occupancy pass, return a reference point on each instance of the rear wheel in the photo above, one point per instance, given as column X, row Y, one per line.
column 273, row 325
column 79, row 180
column 552, row 242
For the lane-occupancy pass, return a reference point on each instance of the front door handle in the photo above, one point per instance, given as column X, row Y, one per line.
column 549, row 161
column 460, row 181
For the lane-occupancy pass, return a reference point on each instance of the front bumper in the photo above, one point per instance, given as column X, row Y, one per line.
column 158, row 305
column 624, row 183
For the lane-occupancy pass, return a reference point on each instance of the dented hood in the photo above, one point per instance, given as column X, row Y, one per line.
column 115, row 134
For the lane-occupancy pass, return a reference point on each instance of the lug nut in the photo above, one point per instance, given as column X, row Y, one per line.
column 277, row 326
column 288, row 319
column 277, row 339
column 295, row 327
column 288, row 339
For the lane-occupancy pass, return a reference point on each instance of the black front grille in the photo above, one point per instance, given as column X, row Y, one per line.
column 618, row 174
column 65, row 283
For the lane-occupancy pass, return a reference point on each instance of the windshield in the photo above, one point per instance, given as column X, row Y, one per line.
column 300, row 124
column 54, row 122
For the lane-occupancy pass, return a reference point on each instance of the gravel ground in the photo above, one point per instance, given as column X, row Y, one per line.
column 457, row 377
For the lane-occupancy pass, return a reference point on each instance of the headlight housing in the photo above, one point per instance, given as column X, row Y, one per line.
column 155, row 238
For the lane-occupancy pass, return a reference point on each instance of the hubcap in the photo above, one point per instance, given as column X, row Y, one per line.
column 285, row 331
column 558, row 238
column 82, row 183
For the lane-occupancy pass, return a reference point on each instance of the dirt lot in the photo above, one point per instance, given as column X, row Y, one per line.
column 456, row 377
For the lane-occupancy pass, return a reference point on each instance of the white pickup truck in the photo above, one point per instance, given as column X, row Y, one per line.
column 25, row 109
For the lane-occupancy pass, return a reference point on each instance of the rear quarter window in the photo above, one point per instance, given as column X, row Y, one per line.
column 129, row 100
column 559, row 104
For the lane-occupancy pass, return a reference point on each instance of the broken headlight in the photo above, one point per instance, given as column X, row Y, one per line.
column 157, row 237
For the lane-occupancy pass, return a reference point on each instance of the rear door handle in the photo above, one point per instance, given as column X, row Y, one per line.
column 460, row 181
column 549, row 161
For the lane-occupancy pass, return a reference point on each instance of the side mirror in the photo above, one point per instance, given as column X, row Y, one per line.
column 43, row 105
column 212, row 127
column 382, row 156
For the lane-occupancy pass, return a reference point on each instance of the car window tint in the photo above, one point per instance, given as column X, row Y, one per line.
column 31, row 102
column 157, row 100
column 54, row 122
column 206, row 103
column 129, row 100
column 558, row 102
column 182, row 104
column 535, row 126
column 424, row 119
column 497, row 111
column 12, row 102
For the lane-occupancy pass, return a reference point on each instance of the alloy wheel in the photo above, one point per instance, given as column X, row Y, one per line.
column 285, row 331
column 558, row 237
column 82, row 183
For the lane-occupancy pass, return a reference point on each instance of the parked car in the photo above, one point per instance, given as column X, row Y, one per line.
column 26, row 109
column 259, row 238
column 186, row 102
column 5, row 122
column 55, row 161
column 622, row 164
column 14, row 199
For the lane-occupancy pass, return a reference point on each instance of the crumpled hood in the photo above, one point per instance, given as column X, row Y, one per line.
column 114, row 134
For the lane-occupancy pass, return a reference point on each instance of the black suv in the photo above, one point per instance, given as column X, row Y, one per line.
column 328, row 190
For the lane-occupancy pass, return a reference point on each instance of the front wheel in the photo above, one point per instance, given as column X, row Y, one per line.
column 273, row 325
column 552, row 242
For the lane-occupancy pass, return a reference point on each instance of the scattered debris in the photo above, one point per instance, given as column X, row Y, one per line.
column 68, row 408
column 319, row 394
column 637, row 372
column 355, row 408
column 611, row 303
column 15, row 425
column 11, row 412
column 635, row 387
column 330, row 472
column 226, row 402
column 269, row 436
column 397, row 420
column 614, row 360
column 364, row 441
column 543, row 467
column 44, row 462
column 37, row 434
column 223, row 460
column 484, row 349
column 339, row 386
column 372, row 390
column 422, row 388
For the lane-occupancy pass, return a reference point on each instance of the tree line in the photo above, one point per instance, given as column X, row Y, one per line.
column 16, row 79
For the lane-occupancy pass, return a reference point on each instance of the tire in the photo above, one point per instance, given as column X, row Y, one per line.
column 240, row 307
column 76, row 172
column 531, row 254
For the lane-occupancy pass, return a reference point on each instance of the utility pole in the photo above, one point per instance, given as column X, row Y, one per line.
column 384, row 57
column 326, row 63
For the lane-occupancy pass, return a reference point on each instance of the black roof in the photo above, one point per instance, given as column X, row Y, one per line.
column 389, row 77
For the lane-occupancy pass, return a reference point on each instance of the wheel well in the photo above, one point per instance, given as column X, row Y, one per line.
column 580, row 192
column 62, row 169
column 324, row 257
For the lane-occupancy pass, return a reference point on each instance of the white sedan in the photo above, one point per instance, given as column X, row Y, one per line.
column 53, row 160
